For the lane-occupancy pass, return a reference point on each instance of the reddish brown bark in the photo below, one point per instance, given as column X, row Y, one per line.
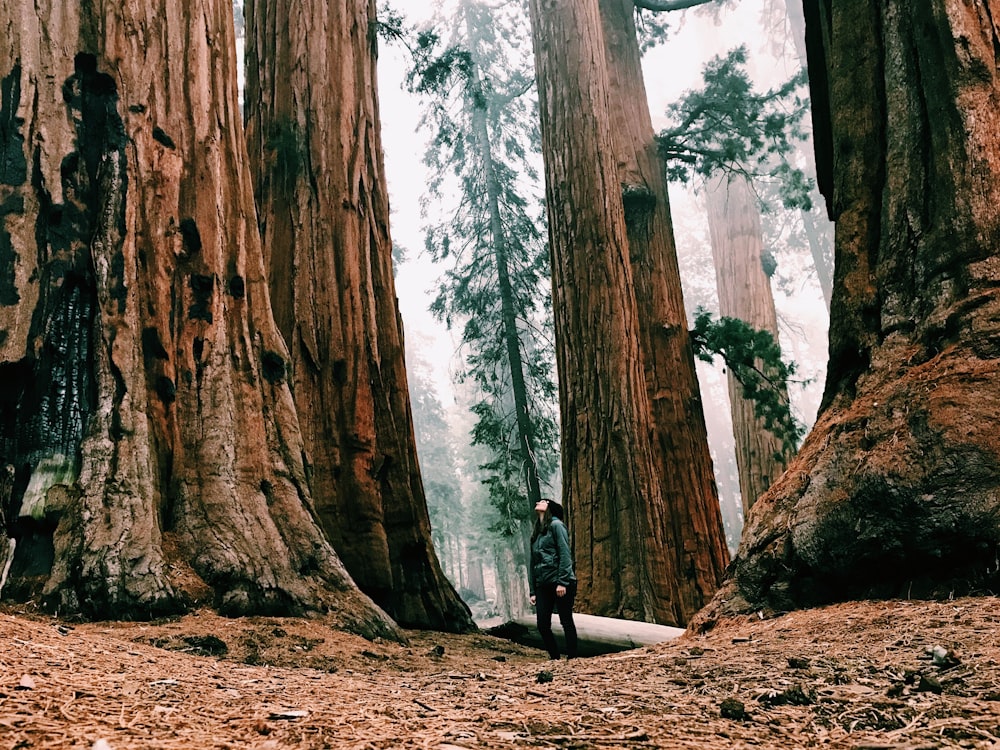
column 691, row 503
column 157, row 450
column 611, row 485
column 896, row 489
column 315, row 143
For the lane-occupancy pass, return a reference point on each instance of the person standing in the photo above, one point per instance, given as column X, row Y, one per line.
column 551, row 578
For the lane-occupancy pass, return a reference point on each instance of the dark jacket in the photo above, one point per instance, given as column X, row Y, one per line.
column 551, row 558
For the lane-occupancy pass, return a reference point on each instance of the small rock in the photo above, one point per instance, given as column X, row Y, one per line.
column 796, row 663
column 544, row 676
column 944, row 658
column 733, row 708
column 27, row 683
column 793, row 696
column 101, row 744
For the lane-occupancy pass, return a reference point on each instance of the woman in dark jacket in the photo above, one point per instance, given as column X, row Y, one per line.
column 551, row 580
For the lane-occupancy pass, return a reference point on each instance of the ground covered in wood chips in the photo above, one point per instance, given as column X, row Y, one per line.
column 860, row 675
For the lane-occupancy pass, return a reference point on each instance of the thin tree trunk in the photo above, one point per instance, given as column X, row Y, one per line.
column 897, row 488
column 512, row 338
column 315, row 142
column 611, row 486
column 745, row 294
column 157, row 450
column 476, row 583
column 691, row 511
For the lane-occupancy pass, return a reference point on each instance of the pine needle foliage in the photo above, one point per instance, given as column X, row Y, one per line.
column 754, row 358
column 728, row 127
column 483, row 158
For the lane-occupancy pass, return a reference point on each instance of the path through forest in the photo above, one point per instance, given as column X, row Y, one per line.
column 857, row 675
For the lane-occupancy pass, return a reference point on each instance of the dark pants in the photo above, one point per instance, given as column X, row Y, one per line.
column 545, row 602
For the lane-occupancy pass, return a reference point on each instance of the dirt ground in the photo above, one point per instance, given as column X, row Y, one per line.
column 868, row 675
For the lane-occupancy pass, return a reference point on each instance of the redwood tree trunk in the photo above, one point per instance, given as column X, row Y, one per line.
column 745, row 294
column 146, row 407
column 611, row 486
column 315, row 143
column 691, row 503
column 896, row 489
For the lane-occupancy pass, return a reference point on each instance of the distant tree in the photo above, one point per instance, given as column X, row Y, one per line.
column 438, row 463
column 727, row 127
column 483, row 154
column 815, row 232
column 316, row 152
column 744, row 283
column 895, row 491
column 735, row 138
column 753, row 357
column 145, row 407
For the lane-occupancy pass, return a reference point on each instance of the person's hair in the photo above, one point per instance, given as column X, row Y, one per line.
column 542, row 524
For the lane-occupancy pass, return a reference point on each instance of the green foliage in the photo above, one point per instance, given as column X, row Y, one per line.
column 483, row 158
column 729, row 127
column 651, row 23
column 652, row 29
column 390, row 24
column 754, row 358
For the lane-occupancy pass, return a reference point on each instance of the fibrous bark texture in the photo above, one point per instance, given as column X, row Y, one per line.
column 146, row 408
column 610, row 481
column 897, row 489
column 690, row 511
column 315, row 143
column 745, row 293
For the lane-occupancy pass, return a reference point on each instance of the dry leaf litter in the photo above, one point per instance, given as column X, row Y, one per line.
column 862, row 675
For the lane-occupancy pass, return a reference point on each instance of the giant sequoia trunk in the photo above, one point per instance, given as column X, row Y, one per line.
column 691, row 502
column 899, row 483
column 315, row 142
column 145, row 405
column 611, row 485
column 745, row 294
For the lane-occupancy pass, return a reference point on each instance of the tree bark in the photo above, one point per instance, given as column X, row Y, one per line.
column 895, row 491
column 315, row 143
column 149, row 419
column 745, row 294
column 611, row 487
column 691, row 509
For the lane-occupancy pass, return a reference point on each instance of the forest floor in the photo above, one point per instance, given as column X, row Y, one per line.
column 858, row 675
